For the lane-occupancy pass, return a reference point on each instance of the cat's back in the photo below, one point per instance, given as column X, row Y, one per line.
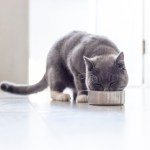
column 82, row 40
column 62, row 48
column 77, row 43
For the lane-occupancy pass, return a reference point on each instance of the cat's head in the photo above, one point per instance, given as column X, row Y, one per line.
column 106, row 73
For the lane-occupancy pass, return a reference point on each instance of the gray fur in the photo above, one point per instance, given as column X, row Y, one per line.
column 82, row 62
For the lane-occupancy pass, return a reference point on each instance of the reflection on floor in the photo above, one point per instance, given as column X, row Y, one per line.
column 36, row 123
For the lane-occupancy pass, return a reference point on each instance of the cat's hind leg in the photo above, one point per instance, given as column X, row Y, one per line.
column 57, row 83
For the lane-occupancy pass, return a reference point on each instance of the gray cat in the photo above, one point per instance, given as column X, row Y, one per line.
column 82, row 62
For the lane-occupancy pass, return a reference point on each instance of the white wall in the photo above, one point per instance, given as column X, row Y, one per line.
column 48, row 21
column 14, row 40
column 147, row 39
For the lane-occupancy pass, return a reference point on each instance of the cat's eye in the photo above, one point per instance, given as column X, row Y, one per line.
column 120, row 88
column 113, row 84
column 98, row 85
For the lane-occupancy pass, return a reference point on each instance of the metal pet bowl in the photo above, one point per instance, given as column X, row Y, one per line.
column 106, row 97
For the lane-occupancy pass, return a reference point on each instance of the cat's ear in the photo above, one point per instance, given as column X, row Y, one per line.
column 89, row 63
column 120, row 61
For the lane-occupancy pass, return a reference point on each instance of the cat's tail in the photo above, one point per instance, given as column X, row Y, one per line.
column 24, row 89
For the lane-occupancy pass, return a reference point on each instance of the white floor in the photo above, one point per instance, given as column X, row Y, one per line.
column 36, row 123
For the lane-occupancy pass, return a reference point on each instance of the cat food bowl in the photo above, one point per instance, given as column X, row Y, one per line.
column 106, row 97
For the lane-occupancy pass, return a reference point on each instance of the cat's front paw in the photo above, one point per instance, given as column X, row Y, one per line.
column 81, row 99
column 60, row 96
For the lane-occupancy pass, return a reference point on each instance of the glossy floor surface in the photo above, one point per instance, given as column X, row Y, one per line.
column 36, row 123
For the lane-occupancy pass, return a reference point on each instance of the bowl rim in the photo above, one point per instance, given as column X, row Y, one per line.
column 106, row 91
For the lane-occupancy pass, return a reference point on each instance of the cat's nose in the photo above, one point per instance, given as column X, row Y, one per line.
column 106, row 89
